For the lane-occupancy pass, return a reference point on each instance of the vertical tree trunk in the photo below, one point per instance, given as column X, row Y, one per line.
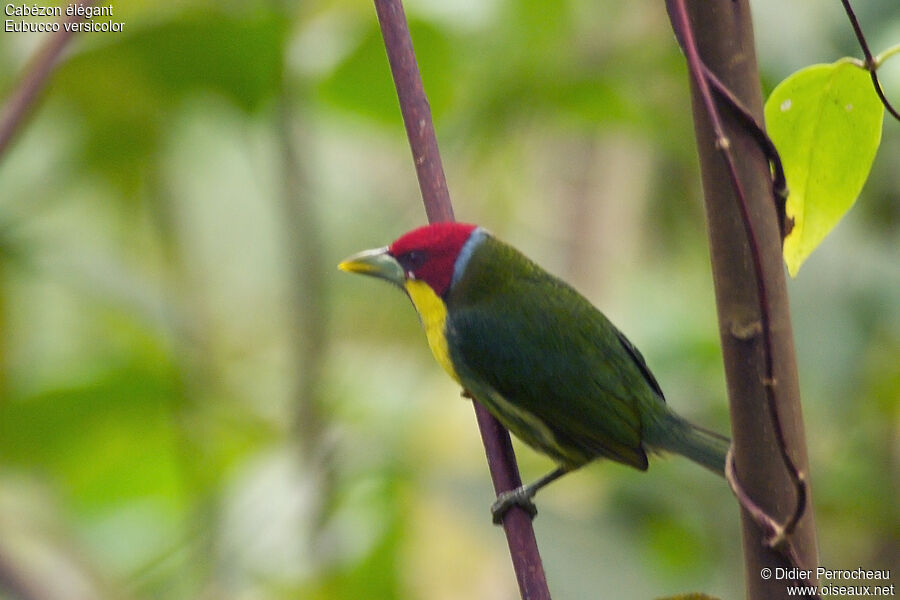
column 724, row 34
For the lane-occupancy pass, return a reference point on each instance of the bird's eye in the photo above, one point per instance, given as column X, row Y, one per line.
column 412, row 260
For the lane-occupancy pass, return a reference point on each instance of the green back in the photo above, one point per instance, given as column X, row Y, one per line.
column 546, row 363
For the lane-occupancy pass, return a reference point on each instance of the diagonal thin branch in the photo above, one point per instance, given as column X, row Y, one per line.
column 423, row 143
column 17, row 582
column 415, row 109
column 33, row 80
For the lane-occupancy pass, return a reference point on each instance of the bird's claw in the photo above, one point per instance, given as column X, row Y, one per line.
column 518, row 497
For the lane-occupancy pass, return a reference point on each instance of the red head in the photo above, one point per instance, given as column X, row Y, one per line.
column 429, row 253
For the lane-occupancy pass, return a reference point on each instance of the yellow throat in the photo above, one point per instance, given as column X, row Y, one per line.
column 433, row 314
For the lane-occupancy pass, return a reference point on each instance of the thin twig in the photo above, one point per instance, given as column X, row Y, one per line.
column 774, row 531
column 871, row 63
column 779, row 182
column 423, row 143
column 697, row 71
column 771, row 527
column 33, row 80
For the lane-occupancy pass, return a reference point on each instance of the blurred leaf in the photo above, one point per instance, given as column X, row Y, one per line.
column 105, row 440
column 825, row 121
column 142, row 444
column 125, row 91
column 375, row 574
column 238, row 55
column 676, row 544
column 362, row 82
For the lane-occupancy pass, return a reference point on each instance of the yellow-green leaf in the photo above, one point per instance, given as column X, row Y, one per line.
column 825, row 121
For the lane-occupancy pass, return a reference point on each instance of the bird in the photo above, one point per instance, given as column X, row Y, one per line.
column 538, row 355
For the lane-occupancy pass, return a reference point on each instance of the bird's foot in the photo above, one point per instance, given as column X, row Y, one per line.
column 521, row 496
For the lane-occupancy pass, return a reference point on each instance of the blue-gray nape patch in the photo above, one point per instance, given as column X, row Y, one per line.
column 475, row 238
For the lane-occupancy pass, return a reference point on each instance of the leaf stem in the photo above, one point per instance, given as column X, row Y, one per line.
column 883, row 56
column 871, row 62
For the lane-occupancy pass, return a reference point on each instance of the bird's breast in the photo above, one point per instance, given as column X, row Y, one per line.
column 433, row 314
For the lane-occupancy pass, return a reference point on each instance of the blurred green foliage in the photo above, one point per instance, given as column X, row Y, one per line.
column 194, row 403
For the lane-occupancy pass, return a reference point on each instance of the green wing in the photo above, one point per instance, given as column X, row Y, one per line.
column 640, row 362
column 533, row 350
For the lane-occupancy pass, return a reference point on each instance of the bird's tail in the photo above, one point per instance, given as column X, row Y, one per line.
column 674, row 434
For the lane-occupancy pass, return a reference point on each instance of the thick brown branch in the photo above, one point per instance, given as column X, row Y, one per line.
column 722, row 144
column 769, row 449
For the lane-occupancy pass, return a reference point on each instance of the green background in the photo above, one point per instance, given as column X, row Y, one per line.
column 195, row 403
